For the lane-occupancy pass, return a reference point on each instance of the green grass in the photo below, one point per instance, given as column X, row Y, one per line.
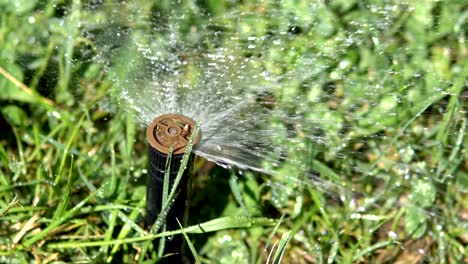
column 393, row 103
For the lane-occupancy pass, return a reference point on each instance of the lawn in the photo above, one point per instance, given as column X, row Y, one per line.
column 364, row 121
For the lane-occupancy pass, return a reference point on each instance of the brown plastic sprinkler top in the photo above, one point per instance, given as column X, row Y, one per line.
column 171, row 129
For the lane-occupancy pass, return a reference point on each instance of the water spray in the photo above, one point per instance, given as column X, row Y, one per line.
column 166, row 132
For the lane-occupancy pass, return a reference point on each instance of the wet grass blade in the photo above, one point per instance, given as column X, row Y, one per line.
column 333, row 250
column 67, row 149
column 165, row 194
column 62, row 207
column 4, row 160
column 127, row 228
column 270, row 238
column 233, row 184
column 9, row 206
column 44, row 101
column 281, row 248
column 190, row 245
column 218, row 224
column 55, row 223
column 372, row 248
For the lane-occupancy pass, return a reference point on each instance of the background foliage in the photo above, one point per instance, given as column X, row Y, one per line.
column 72, row 165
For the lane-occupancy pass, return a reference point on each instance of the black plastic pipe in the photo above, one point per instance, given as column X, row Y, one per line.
column 165, row 132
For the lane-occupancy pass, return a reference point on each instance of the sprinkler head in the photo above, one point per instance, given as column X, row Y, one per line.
column 171, row 129
column 166, row 131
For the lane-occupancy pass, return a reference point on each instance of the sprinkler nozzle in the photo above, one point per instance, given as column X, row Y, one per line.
column 171, row 129
column 166, row 131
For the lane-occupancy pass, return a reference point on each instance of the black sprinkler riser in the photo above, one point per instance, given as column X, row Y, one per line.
column 154, row 190
column 166, row 131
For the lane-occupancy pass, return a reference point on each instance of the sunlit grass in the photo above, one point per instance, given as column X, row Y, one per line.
column 73, row 165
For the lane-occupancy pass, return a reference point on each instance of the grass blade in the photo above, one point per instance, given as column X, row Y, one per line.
column 281, row 248
column 67, row 149
column 237, row 194
column 190, row 245
column 270, row 238
column 214, row 225
column 165, row 194
column 62, row 207
column 59, row 221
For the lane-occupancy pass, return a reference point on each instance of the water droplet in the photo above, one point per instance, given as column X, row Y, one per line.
column 36, row 200
column 392, row 235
